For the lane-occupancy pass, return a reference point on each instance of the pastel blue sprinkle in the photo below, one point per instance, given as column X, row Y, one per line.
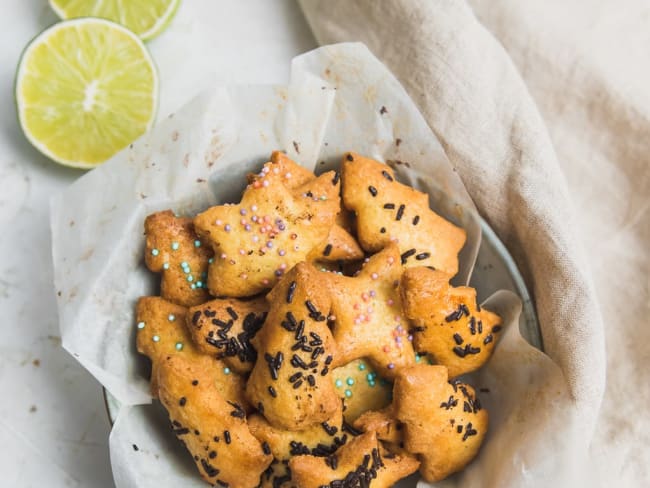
column 362, row 366
column 140, row 325
column 350, row 381
column 165, row 265
column 199, row 284
column 338, row 383
column 226, row 370
column 348, row 393
column 155, row 252
column 372, row 383
column 171, row 317
column 197, row 243
column 190, row 278
column 210, row 261
column 184, row 264
column 193, row 286
column 175, row 246
column 156, row 338
column 179, row 346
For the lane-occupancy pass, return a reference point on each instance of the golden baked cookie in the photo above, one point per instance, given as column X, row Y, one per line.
column 277, row 475
column 444, row 423
column 174, row 250
column 448, row 322
column 162, row 334
column 360, row 462
column 388, row 211
column 212, row 427
column 360, row 388
column 225, row 327
column 273, row 228
column 368, row 320
column 291, row 380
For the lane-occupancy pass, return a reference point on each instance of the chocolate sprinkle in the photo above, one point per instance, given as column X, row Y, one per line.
column 349, row 157
column 266, row 448
column 182, row 401
column 387, row 175
column 423, row 255
column 232, row 313
column 496, row 328
column 488, row 339
column 372, row 190
column 407, row 254
column 290, row 292
column 400, row 212
column 272, row 392
column 226, row 436
column 328, row 250
column 389, row 206
column 210, row 470
column 458, row 338
column 416, row 219
column 382, row 230
column 337, row 177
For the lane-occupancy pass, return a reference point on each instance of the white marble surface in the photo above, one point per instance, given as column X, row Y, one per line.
column 53, row 425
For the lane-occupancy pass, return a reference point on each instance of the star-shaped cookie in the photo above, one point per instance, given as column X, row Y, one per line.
column 273, row 228
column 444, row 423
column 388, row 211
column 448, row 322
column 367, row 315
column 174, row 250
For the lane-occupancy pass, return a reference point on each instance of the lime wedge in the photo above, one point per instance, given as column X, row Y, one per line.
column 147, row 18
column 85, row 89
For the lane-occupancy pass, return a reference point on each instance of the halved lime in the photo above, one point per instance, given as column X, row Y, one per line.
column 85, row 89
column 147, row 18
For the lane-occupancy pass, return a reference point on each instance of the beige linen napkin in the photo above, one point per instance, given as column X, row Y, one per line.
column 576, row 224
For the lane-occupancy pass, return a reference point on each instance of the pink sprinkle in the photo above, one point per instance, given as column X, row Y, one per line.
column 244, row 276
column 218, row 222
column 282, row 252
column 254, row 208
column 265, row 183
column 263, row 229
column 362, row 317
column 276, row 171
column 398, row 318
column 386, row 348
column 369, row 310
column 373, row 294
column 242, row 252
column 357, row 321
column 283, row 266
column 391, row 260
column 331, row 318
column 356, row 306
column 267, row 219
column 265, row 281
column 374, row 276
column 410, row 338
column 287, row 175
column 391, row 366
column 390, row 301
column 256, row 239
column 364, row 297
column 254, row 218
column 243, row 221
column 223, row 256
column 366, row 260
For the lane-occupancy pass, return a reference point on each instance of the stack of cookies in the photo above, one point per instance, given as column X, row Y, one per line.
column 308, row 336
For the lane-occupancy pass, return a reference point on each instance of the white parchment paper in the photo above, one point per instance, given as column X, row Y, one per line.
column 339, row 98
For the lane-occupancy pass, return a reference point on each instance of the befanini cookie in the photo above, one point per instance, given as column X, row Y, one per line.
column 388, row 211
column 273, row 228
column 318, row 440
column 225, row 327
column 444, row 423
column 368, row 320
column 174, row 250
column 291, row 380
column 360, row 462
column 212, row 426
column 277, row 475
column 448, row 322
column 360, row 389
column 162, row 334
